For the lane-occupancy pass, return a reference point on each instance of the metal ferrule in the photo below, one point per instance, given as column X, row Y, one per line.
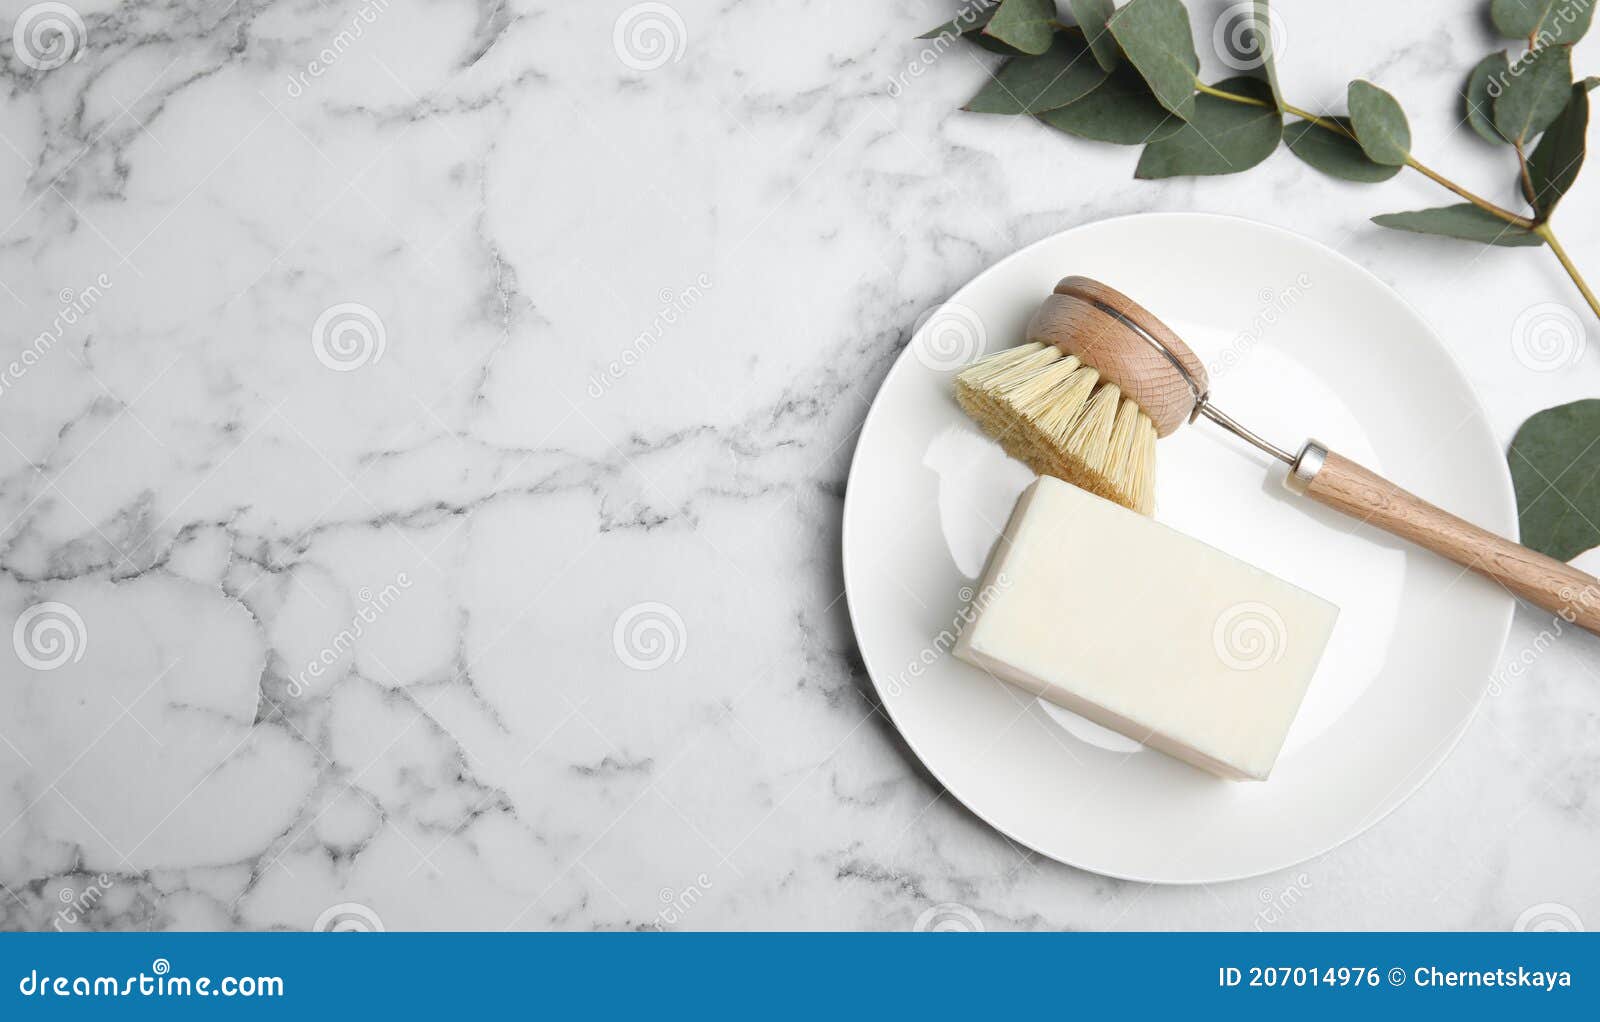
column 1305, row 467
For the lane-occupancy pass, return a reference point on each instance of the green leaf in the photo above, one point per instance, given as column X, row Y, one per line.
column 1092, row 17
column 969, row 25
column 1335, row 154
column 1380, row 124
column 1221, row 136
column 1554, row 165
column 1535, row 93
column 1553, row 21
column 1155, row 35
column 1024, row 24
column 1485, row 81
column 1555, row 471
column 1590, row 82
column 1122, row 110
column 1517, row 19
column 1031, row 85
column 970, row 19
column 1261, row 26
column 1465, row 221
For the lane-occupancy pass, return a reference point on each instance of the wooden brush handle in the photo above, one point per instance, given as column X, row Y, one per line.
column 1339, row 483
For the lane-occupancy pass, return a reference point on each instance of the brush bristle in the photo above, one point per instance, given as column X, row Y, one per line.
column 1052, row 412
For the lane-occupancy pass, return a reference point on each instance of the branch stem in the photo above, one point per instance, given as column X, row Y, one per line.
column 1543, row 230
column 1334, row 126
column 1477, row 200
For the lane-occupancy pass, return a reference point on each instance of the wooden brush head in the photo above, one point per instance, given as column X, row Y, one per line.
column 1090, row 320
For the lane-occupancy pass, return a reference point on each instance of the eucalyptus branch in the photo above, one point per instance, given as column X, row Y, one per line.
column 1129, row 74
column 1411, row 161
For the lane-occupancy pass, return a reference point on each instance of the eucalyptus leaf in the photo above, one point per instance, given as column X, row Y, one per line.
column 1552, row 21
column 1464, row 221
column 1158, row 41
column 1030, row 85
column 1517, row 19
column 1092, row 17
column 969, row 25
column 1590, row 82
column 1555, row 471
column 1338, row 155
column 1554, row 165
column 977, row 38
column 1535, row 93
column 1026, row 25
column 1220, row 137
column 1122, row 111
column 971, row 19
column 1261, row 25
column 1379, row 123
column 1486, row 80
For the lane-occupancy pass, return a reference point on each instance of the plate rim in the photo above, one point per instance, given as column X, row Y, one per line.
column 1502, row 479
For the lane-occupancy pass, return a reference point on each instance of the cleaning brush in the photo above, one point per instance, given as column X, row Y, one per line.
column 1101, row 378
column 1055, row 414
column 1080, row 403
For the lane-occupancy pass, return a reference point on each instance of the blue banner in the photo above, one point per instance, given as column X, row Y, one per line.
column 810, row 976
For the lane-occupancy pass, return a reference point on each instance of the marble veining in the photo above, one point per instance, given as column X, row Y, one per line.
column 421, row 485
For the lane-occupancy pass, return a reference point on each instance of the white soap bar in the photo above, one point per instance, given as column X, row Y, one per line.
column 1146, row 631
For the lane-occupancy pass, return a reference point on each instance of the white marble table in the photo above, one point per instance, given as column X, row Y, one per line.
column 439, row 433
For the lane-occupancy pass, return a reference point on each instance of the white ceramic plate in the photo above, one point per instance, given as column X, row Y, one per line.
column 1300, row 342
